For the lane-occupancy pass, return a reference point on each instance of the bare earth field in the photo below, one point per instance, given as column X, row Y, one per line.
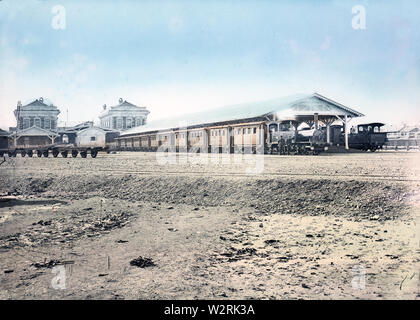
column 342, row 226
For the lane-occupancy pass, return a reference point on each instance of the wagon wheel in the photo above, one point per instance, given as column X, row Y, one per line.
column 64, row 154
column 39, row 153
column 74, row 153
column 45, row 153
column 23, row 154
column 93, row 153
column 55, row 153
column 30, row 153
column 83, row 154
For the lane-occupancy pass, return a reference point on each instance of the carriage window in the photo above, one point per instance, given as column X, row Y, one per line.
column 273, row 127
column 92, row 138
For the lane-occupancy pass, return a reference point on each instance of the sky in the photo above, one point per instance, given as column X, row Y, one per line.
column 178, row 57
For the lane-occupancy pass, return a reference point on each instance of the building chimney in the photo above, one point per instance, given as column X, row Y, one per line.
column 104, row 106
column 19, row 104
column 41, row 99
column 120, row 100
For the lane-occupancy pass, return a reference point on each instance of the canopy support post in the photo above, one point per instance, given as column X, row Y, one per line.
column 346, row 135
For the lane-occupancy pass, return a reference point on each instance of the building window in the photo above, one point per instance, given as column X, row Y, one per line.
column 42, row 122
column 244, row 131
column 52, row 124
column 25, row 123
column 31, row 122
column 37, row 122
column 255, row 130
column 47, row 124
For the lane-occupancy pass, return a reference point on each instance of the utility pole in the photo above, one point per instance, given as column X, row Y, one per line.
column 17, row 123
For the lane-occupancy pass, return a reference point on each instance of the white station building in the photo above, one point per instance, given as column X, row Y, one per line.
column 123, row 116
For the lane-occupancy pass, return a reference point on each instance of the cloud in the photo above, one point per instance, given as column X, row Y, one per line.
column 325, row 45
column 17, row 63
column 77, row 72
column 175, row 24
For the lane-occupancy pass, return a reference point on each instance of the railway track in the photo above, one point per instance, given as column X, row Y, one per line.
column 230, row 174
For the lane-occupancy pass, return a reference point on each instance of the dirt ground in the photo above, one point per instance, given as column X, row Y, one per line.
column 342, row 226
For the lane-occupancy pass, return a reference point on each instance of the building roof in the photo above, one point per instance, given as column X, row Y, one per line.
column 34, row 131
column 284, row 108
column 123, row 105
column 105, row 130
column 40, row 102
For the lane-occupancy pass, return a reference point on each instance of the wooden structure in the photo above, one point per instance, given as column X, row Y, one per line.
column 239, row 127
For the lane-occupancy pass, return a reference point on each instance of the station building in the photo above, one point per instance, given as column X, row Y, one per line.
column 123, row 116
column 36, row 123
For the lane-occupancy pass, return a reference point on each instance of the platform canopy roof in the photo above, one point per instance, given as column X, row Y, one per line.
column 295, row 107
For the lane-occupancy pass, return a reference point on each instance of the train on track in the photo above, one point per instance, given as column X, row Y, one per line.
column 281, row 137
column 274, row 137
column 53, row 149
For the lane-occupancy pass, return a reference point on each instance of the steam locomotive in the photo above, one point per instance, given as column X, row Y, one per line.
column 285, row 139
